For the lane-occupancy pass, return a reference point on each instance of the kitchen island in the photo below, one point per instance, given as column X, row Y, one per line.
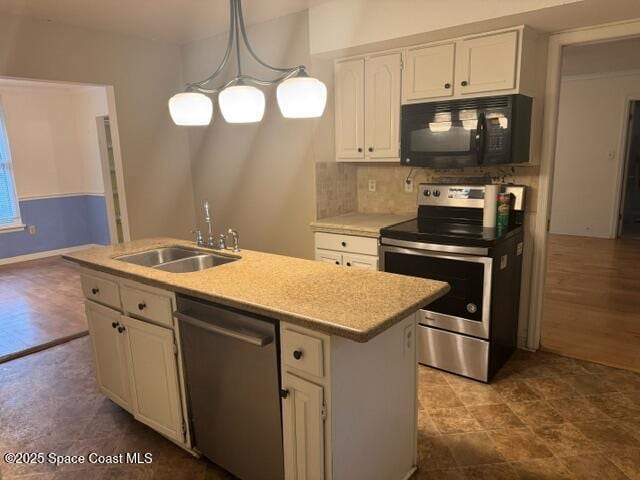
column 345, row 346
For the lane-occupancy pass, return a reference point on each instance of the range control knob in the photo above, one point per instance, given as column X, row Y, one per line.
column 427, row 193
column 436, row 193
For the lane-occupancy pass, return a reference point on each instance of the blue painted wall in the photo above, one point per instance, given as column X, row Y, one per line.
column 61, row 222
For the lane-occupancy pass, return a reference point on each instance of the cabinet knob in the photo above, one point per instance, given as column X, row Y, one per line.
column 114, row 324
column 337, row 262
column 142, row 306
column 344, row 244
column 121, row 329
column 348, row 264
column 297, row 354
column 360, row 149
column 370, row 149
column 447, row 85
column 284, row 393
column 464, row 83
column 95, row 290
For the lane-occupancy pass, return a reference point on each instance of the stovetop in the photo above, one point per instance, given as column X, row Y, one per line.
column 449, row 233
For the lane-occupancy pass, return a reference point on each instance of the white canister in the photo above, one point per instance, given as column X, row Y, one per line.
column 490, row 205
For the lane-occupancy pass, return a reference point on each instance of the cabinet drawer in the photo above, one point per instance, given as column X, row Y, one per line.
column 347, row 243
column 360, row 261
column 100, row 290
column 328, row 256
column 151, row 306
column 302, row 352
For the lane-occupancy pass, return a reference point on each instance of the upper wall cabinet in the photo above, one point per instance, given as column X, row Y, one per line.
column 481, row 65
column 349, row 97
column 428, row 72
column 487, row 64
column 367, row 95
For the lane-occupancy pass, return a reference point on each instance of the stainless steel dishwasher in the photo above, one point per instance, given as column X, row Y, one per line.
column 233, row 388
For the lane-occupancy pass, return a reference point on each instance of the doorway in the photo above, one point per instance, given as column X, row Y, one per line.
column 629, row 226
column 591, row 309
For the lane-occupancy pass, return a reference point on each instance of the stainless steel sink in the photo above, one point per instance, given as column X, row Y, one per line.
column 195, row 264
column 158, row 256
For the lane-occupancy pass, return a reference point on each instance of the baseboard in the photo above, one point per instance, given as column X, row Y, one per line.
column 48, row 253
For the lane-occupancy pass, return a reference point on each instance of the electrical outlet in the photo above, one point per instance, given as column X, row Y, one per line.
column 408, row 185
column 372, row 185
column 31, row 229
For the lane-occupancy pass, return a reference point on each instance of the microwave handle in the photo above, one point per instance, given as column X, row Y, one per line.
column 481, row 137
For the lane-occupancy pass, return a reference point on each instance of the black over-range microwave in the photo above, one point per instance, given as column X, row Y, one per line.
column 468, row 132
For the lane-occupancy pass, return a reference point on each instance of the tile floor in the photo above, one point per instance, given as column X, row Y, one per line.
column 40, row 302
column 544, row 417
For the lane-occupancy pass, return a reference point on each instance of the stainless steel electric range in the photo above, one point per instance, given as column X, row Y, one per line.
column 472, row 330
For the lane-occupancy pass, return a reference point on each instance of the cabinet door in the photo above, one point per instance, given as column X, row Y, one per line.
column 349, row 109
column 328, row 257
column 154, row 377
column 303, row 429
column 487, row 63
column 360, row 261
column 109, row 353
column 428, row 72
column 382, row 106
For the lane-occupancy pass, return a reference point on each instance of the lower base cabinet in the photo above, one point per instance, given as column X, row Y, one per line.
column 109, row 347
column 304, row 429
column 153, row 376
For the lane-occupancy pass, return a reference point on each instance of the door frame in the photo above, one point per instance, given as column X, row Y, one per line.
column 557, row 42
column 629, row 120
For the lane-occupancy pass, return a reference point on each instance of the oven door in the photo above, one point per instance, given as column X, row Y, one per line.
column 466, row 308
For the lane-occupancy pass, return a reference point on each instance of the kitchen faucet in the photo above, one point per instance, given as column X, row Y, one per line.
column 221, row 244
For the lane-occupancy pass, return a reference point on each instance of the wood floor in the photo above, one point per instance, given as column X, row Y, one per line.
column 40, row 304
column 592, row 300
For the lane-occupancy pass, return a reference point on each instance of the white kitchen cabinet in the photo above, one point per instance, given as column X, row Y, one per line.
column 428, row 72
column 367, row 109
column 303, row 422
column 349, row 109
column 337, row 421
column 487, row 64
column 502, row 62
column 360, row 261
column 382, row 106
column 328, row 256
column 109, row 353
column 151, row 358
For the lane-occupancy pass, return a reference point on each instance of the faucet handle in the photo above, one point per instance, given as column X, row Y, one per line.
column 236, row 239
column 199, row 237
column 222, row 242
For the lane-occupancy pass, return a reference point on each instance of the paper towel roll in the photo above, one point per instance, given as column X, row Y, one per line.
column 490, row 206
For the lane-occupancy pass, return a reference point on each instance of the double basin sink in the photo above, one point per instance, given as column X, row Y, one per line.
column 176, row 259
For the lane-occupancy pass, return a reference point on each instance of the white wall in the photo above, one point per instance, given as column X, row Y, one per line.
column 338, row 24
column 53, row 139
column 144, row 74
column 590, row 154
column 621, row 55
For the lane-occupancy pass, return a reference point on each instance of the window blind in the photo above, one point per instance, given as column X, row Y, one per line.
column 9, row 210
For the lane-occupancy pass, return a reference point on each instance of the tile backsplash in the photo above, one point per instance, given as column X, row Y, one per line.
column 344, row 187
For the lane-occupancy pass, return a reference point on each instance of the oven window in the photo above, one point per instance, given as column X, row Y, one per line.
column 465, row 278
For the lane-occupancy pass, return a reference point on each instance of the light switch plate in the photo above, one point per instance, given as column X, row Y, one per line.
column 31, row 229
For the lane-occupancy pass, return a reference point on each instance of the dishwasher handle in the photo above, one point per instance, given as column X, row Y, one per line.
column 244, row 336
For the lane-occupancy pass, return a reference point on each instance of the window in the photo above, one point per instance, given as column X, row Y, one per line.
column 9, row 209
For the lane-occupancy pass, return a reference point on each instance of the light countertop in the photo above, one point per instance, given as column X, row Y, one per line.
column 354, row 303
column 363, row 224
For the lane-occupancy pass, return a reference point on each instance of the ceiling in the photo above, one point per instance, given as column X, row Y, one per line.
column 175, row 21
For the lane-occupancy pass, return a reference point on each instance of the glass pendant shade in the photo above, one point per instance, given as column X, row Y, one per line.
column 302, row 97
column 191, row 109
column 242, row 104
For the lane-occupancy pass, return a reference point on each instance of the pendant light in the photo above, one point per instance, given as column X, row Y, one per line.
column 298, row 94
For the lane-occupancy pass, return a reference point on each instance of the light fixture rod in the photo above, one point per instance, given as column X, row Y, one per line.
column 237, row 29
